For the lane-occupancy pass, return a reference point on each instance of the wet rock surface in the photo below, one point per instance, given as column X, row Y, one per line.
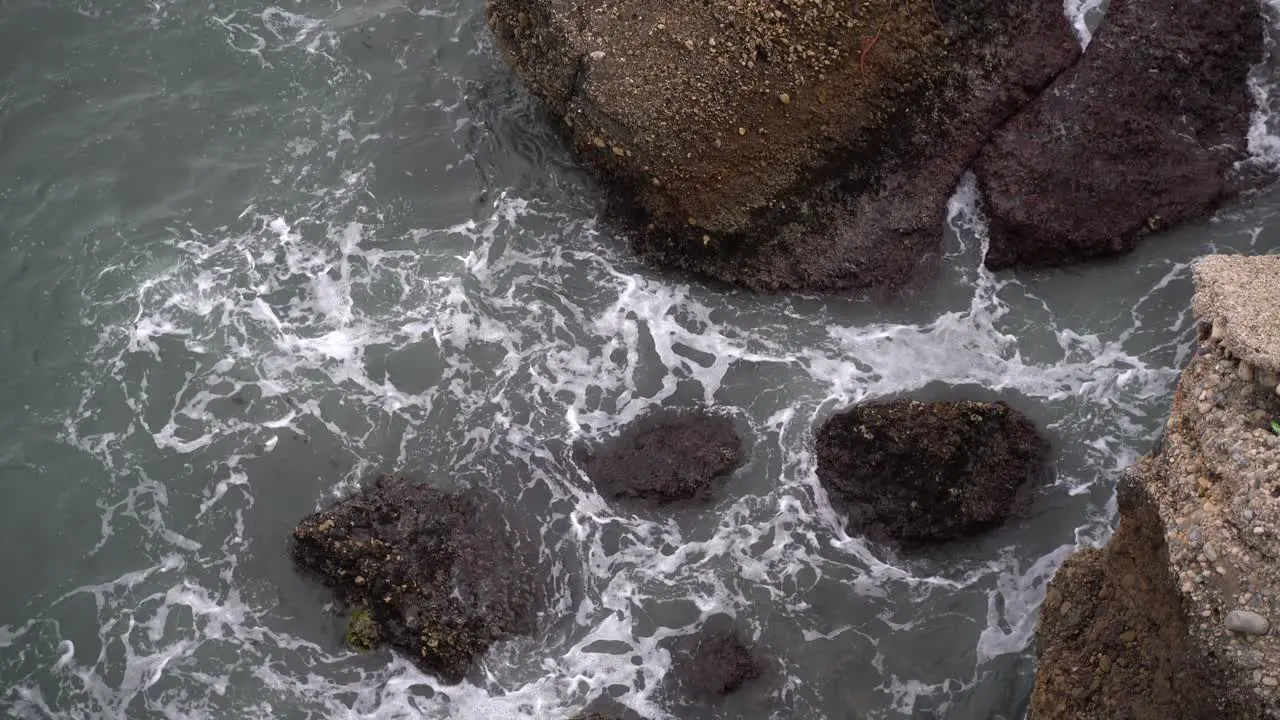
column 783, row 144
column 714, row 663
column 666, row 456
column 920, row 472
column 1193, row 572
column 1141, row 134
column 439, row 574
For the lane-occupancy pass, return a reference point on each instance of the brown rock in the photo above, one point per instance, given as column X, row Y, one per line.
column 842, row 184
column 1140, row 135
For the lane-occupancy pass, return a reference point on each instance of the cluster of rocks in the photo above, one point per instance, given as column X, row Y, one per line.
column 1195, row 564
column 809, row 144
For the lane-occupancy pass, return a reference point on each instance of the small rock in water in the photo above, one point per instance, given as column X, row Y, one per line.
column 1247, row 622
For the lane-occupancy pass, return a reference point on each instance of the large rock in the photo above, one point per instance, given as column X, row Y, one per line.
column 1114, row 640
column 921, row 472
column 784, row 143
column 1181, row 600
column 438, row 573
column 666, row 456
column 1141, row 134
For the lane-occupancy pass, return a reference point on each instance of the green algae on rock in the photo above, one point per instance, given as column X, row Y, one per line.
column 438, row 575
column 362, row 631
column 790, row 143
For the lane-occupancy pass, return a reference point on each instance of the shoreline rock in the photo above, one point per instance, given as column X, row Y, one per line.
column 666, row 457
column 1143, row 133
column 435, row 574
column 1194, row 568
column 783, row 145
column 917, row 472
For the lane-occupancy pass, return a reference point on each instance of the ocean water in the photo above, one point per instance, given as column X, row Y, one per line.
column 255, row 253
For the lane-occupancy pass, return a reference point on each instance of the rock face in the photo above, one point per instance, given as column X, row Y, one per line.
column 784, row 143
column 920, row 472
column 1182, row 601
column 1140, row 135
column 666, row 456
column 437, row 573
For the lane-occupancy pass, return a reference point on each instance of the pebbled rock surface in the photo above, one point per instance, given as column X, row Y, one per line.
column 921, row 472
column 783, row 144
column 1240, row 296
column 1141, row 134
column 438, row 573
column 665, row 457
column 1187, row 591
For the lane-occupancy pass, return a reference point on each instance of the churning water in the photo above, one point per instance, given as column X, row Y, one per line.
column 255, row 253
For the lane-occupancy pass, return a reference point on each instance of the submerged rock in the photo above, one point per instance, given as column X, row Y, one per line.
column 714, row 663
column 1142, row 134
column 783, row 144
column 434, row 575
column 666, row 456
column 925, row 472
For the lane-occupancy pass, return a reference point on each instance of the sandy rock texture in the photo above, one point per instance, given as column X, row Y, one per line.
column 783, row 144
column 1185, row 598
column 1143, row 133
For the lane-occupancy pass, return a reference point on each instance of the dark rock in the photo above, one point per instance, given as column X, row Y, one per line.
column 666, row 456
column 1140, row 135
column 921, row 472
column 393, row 551
column 1120, row 603
column 811, row 145
column 607, row 710
column 714, row 663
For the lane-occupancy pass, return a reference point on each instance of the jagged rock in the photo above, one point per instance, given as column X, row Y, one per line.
column 437, row 573
column 666, row 456
column 1141, row 134
column 924, row 472
column 778, row 143
column 1193, row 565
column 1119, row 603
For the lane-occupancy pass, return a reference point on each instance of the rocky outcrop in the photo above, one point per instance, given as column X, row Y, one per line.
column 784, row 143
column 1141, row 134
column 437, row 573
column 666, row 456
column 919, row 472
column 1183, row 599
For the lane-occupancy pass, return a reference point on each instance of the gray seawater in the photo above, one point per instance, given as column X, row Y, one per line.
column 254, row 253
